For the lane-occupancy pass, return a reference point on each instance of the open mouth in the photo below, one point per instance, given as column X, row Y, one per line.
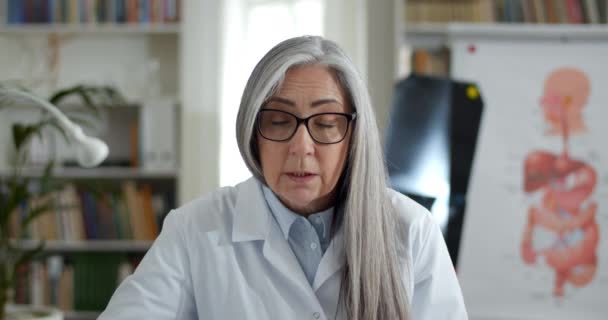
column 300, row 176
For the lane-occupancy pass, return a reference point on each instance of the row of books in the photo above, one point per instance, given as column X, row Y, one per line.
column 81, row 282
column 131, row 213
column 90, row 11
column 509, row 11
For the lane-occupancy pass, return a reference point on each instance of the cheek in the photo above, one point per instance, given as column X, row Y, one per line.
column 333, row 163
column 271, row 159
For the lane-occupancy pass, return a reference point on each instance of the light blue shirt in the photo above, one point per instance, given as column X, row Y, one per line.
column 307, row 237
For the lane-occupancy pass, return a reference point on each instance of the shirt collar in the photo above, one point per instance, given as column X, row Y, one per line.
column 285, row 217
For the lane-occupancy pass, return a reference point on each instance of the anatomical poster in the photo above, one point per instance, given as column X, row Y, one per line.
column 535, row 236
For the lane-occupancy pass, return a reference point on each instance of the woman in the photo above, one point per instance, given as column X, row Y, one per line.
column 316, row 233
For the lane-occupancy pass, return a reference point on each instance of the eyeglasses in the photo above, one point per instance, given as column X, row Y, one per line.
column 324, row 128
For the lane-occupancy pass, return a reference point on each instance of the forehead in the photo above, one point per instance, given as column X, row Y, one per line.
column 310, row 82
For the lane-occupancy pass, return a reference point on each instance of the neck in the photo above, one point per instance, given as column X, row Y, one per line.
column 317, row 205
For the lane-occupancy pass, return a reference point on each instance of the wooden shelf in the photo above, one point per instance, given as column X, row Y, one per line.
column 101, row 173
column 90, row 246
column 435, row 35
column 81, row 315
column 69, row 29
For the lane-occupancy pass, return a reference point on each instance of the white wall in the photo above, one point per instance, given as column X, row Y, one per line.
column 199, row 82
column 366, row 29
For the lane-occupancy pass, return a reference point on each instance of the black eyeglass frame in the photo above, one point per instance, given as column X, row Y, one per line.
column 350, row 117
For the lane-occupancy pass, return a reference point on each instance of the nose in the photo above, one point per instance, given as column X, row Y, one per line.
column 301, row 143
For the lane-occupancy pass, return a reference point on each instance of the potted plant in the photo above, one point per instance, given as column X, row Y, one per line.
column 16, row 187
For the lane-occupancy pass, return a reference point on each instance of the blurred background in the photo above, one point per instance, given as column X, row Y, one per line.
column 441, row 75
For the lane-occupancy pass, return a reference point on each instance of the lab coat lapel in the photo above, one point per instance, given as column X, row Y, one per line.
column 253, row 221
column 278, row 252
column 333, row 260
column 251, row 218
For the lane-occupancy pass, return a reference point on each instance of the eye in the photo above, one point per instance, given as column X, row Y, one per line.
column 326, row 121
column 325, row 125
column 279, row 122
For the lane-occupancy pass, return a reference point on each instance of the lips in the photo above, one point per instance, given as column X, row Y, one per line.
column 300, row 176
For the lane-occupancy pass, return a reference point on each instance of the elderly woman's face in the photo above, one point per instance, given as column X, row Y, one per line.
column 302, row 172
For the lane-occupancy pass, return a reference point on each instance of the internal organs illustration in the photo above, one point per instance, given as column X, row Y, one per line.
column 562, row 228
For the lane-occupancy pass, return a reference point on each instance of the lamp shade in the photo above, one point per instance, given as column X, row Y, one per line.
column 90, row 151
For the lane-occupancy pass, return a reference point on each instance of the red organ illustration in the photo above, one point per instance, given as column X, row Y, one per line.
column 562, row 228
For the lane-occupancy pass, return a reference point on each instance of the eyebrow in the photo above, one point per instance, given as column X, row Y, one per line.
column 313, row 104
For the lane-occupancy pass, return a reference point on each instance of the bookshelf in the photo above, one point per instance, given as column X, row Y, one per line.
column 59, row 247
column 431, row 35
column 105, row 173
column 81, row 315
column 427, row 29
column 507, row 11
column 91, row 29
column 143, row 31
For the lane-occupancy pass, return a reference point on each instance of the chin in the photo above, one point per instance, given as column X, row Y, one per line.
column 299, row 199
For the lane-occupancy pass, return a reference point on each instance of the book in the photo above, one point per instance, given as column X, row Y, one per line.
column 132, row 11
column 540, row 11
column 551, row 12
column 106, row 217
column 3, row 12
column 574, row 11
column 562, row 13
column 591, row 12
column 149, row 216
column 134, row 207
column 123, row 226
column 65, row 300
column 89, row 209
column 528, row 12
column 95, row 279
column 74, row 212
column 486, row 11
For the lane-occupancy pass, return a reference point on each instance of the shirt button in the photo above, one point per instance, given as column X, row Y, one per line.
column 316, row 315
column 313, row 246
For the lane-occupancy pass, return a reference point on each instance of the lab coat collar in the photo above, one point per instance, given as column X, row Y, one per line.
column 332, row 261
column 253, row 221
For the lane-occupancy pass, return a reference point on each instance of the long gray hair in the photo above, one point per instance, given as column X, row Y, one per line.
column 373, row 285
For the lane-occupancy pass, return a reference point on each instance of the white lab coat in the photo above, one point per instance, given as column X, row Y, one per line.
column 223, row 256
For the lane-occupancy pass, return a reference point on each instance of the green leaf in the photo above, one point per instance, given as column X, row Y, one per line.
column 58, row 96
column 86, row 96
column 21, row 133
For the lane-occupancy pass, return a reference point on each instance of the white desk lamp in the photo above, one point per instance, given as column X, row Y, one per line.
column 90, row 151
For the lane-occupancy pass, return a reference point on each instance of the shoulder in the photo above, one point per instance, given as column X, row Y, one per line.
column 411, row 215
column 213, row 211
column 418, row 230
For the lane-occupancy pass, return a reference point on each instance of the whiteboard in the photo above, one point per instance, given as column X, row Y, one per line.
column 528, row 250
